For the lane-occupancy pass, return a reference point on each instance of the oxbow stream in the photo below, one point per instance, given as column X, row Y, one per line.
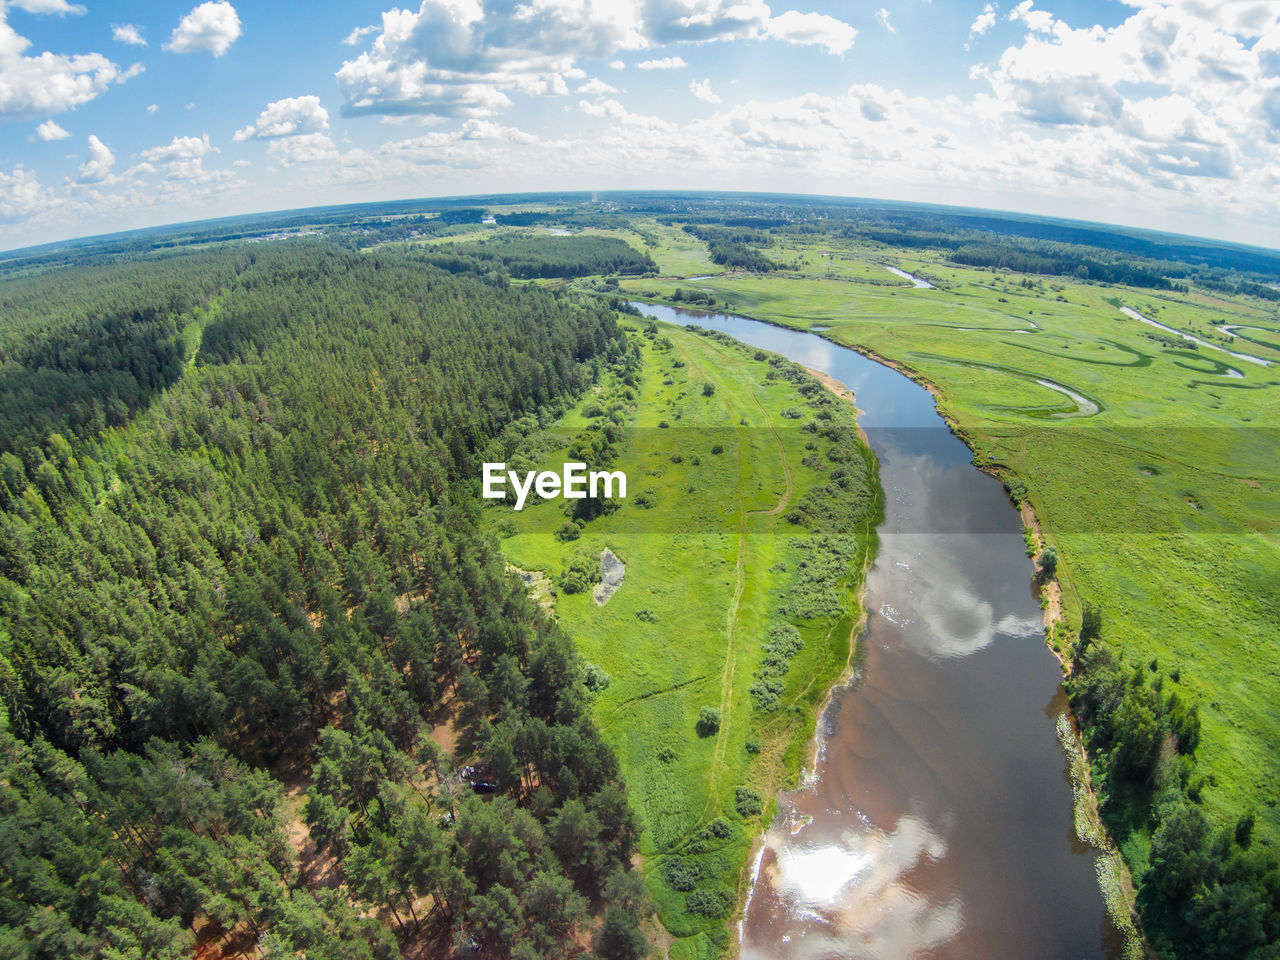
column 937, row 821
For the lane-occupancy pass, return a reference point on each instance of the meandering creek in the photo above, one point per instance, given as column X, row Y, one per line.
column 937, row 821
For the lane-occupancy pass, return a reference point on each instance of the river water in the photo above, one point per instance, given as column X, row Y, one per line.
column 938, row 819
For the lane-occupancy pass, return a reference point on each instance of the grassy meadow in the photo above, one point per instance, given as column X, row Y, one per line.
column 1163, row 503
column 718, row 454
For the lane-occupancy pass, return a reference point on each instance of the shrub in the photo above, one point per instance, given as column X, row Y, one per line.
column 708, row 721
column 716, row 902
column 594, row 678
column 752, row 746
column 579, row 572
column 748, row 802
column 683, row 874
column 568, row 531
column 708, row 388
column 720, row 829
column 717, row 448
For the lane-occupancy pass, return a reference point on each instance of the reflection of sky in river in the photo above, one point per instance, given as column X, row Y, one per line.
column 937, row 823
column 849, row 896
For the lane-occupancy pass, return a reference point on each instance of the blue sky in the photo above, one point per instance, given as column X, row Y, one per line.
column 1156, row 113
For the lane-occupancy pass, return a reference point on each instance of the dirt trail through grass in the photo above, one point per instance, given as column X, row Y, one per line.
column 726, row 683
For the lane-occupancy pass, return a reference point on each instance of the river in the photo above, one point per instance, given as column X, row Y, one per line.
column 938, row 819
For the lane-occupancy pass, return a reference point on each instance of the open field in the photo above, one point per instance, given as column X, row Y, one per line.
column 716, row 458
column 1163, row 503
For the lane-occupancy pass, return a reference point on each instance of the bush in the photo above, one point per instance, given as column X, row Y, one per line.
column 708, row 388
column 716, row 902
column 568, row 531
column 752, row 746
column 1048, row 561
column 708, row 721
column 683, row 874
column 720, row 828
column 594, row 679
column 579, row 572
column 717, row 448
column 748, row 802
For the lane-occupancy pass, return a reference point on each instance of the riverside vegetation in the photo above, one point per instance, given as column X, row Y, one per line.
column 751, row 512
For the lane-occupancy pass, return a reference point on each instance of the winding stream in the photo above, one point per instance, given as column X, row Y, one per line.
column 938, row 820
column 1135, row 315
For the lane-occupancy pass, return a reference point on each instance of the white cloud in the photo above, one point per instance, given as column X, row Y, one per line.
column 60, row 7
column 183, row 159
column 50, row 82
column 461, row 58
column 882, row 15
column 152, row 107
column 664, row 63
column 354, row 37
column 212, row 26
column 286, row 118
column 983, row 21
column 98, row 166
column 304, row 148
column 21, row 194
column 180, row 148
column 702, row 90
column 812, row 28
column 617, row 65
column 596, row 85
column 127, row 33
column 50, row 131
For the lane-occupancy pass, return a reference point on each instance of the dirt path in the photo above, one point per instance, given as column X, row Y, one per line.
column 726, row 683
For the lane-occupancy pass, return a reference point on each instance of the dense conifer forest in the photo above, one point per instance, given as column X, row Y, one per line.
column 265, row 682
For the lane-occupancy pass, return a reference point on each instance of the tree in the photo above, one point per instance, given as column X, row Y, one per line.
column 1048, row 562
column 708, row 721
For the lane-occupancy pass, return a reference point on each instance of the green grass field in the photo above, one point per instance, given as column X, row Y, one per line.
column 711, row 562
column 1164, row 504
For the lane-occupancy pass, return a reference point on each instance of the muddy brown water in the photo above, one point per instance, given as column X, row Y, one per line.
column 937, row 821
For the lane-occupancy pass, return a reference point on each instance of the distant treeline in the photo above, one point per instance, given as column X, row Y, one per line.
column 277, row 573
column 555, row 257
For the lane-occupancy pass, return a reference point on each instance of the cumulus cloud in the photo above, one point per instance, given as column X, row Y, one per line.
column 21, row 194
column 461, row 58
column 617, row 65
column 355, row 36
column 812, row 28
column 60, row 7
column 663, row 63
column 182, row 158
column 289, row 117
column 50, row 131
column 983, row 21
column 127, row 33
column 702, row 90
column 152, row 107
column 180, row 148
column 1205, row 63
column 304, row 148
column 210, row 27
column 98, row 166
column 50, row 82
column 596, row 85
